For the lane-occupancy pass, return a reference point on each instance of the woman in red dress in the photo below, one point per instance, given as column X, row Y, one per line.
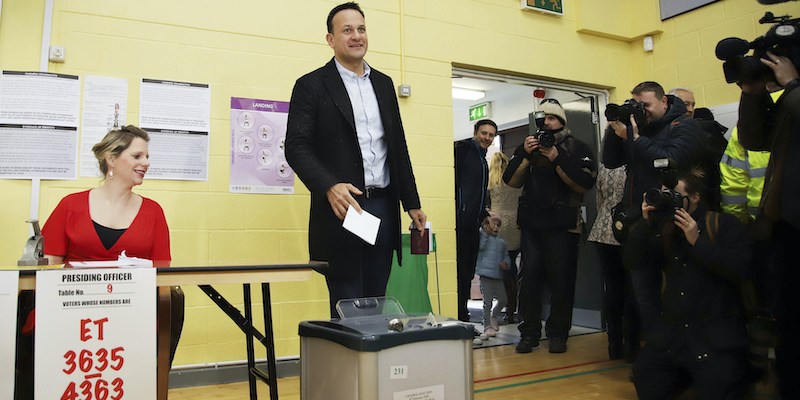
column 99, row 224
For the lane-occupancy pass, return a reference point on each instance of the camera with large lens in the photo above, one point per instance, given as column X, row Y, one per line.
column 546, row 137
column 622, row 112
column 665, row 200
column 782, row 39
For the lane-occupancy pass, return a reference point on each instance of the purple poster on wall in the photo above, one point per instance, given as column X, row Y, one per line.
column 258, row 161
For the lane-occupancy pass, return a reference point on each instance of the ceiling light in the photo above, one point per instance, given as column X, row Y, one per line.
column 468, row 94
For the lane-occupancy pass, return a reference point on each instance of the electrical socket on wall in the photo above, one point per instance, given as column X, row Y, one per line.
column 404, row 90
column 57, row 54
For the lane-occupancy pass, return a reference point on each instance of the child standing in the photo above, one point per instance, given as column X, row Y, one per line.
column 493, row 259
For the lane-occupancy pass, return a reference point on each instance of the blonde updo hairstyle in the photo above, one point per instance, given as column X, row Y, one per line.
column 115, row 142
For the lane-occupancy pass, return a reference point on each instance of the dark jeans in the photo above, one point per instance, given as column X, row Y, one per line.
column 466, row 256
column 376, row 261
column 659, row 376
column 787, row 313
column 549, row 258
column 620, row 310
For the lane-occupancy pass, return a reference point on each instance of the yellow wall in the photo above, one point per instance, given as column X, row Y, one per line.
column 257, row 48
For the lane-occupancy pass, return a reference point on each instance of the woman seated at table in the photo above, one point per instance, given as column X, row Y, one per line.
column 101, row 223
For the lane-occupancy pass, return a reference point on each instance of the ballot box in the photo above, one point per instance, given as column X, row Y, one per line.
column 376, row 351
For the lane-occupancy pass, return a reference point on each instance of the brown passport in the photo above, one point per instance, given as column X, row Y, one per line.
column 419, row 244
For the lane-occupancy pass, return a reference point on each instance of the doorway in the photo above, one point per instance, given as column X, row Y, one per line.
column 508, row 100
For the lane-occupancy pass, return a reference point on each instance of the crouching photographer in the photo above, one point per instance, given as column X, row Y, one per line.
column 696, row 330
column 765, row 125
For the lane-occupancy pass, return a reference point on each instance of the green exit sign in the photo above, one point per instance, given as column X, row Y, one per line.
column 481, row 111
column 548, row 6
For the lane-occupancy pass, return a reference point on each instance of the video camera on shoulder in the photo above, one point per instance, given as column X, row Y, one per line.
column 623, row 112
column 782, row 39
column 546, row 137
column 666, row 200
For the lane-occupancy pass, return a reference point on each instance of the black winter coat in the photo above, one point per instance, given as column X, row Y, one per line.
column 701, row 305
column 547, row 201
column 472, row 176
column 671, row 136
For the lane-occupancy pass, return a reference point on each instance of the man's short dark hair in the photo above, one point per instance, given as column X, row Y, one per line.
column 649, row 86
column 484, row 122
column 346, row 6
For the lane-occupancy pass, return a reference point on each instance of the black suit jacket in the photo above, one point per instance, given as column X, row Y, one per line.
column 322, row 148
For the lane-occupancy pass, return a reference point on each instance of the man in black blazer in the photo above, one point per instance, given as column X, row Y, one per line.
column 345, row 141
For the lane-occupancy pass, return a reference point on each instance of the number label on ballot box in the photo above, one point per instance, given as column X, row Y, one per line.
column 95, row 334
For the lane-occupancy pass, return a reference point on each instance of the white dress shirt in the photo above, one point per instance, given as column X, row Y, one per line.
column 369, row 127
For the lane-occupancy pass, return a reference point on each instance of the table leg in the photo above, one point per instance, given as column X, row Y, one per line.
column 270, row 342
column 251, row 356
column 246, row 325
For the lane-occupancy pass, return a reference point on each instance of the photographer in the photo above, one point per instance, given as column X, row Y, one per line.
column 764, row 125
column 698, row 336
column 656, row 128
column 555, row 170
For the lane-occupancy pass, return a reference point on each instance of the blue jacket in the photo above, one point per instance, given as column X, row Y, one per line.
column 491, row 252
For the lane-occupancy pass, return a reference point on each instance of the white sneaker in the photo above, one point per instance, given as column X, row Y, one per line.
column 479, row 334
column 477, row 341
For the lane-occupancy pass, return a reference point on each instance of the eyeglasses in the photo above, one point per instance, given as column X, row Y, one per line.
column 554, row 101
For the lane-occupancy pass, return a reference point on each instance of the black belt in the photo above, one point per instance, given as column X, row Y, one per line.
column 375, row 192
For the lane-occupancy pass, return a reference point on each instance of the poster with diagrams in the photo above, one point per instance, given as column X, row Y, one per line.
column 177, row 116
column 258, row 160
column 105, row 104
column 39, row 117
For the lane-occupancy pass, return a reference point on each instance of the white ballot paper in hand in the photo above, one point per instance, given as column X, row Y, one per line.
column 364, row 225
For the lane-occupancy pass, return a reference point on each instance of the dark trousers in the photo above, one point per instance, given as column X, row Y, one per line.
column 646, row 284
column 620, row 310
column 787, row 312
column 510, row 281
column 376, row 261
column 467, row 240
column 549, row 259
column 659, row 376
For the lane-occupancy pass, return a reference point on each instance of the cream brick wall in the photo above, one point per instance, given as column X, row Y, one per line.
column 258, row 48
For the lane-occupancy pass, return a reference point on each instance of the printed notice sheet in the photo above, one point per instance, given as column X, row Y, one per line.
column 177, row 115
column 258, row 132
column 105, row 104
column 435, row 392
column 96, row 334
column 9, row 283
column 39, row 115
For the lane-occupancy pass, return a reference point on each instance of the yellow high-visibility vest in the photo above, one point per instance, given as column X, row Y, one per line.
column 742, row 174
